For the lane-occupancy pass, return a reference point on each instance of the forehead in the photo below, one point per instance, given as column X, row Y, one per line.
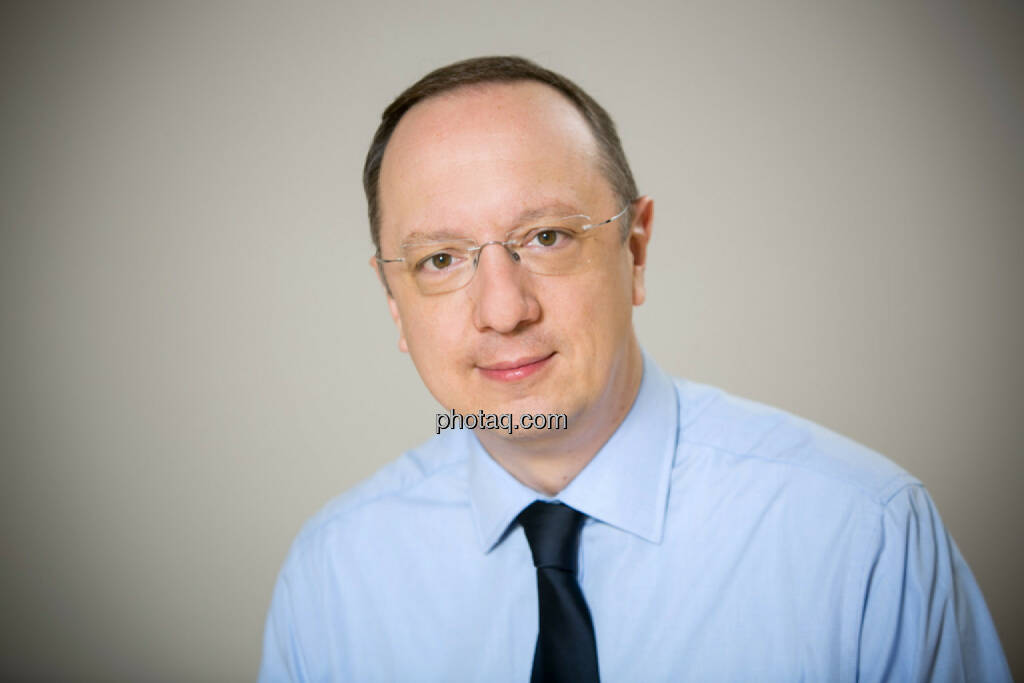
column 482, row 155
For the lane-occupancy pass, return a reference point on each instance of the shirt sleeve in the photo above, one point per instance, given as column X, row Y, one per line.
column 924, row 616
column 282, row 654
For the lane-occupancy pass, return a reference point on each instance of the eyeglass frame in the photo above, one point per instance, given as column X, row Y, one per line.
column 508, row 245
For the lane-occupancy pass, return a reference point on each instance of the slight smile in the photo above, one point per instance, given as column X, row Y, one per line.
column 515, row 370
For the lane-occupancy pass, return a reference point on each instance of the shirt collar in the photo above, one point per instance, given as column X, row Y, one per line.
column 625, row 485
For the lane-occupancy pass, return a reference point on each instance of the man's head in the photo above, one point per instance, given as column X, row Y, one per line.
column 476, row 160
column 484, row 70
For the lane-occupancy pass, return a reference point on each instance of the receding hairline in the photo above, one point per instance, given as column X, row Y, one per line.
column 494, row 70
column 595, row 150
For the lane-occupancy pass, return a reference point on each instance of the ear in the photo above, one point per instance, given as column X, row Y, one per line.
column 639, row 236
column 392, row 305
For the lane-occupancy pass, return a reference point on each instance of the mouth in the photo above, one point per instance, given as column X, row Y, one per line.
column 516, row 369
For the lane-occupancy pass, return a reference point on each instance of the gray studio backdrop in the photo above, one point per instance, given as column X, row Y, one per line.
column 196, row 355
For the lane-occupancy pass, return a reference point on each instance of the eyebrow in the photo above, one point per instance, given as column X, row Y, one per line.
column 443, row 235
column 551, row 209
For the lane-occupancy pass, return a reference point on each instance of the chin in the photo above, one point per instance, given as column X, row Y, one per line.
column 535, row 404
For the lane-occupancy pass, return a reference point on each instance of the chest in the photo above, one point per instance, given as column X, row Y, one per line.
column 700, row 610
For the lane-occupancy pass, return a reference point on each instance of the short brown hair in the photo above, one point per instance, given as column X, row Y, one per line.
column 481, row 70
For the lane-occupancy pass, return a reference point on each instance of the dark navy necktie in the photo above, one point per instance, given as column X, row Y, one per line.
column 566, row 649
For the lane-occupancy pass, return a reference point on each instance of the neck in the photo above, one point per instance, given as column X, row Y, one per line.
column 548, row 464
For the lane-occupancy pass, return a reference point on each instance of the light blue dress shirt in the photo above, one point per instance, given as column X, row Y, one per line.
column 726, row 541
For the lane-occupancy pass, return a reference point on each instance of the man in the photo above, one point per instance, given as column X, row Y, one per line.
column 681, row 534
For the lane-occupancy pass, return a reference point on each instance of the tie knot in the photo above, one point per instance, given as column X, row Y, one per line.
column 553, row 532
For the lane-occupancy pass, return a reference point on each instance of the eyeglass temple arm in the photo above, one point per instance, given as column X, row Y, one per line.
column 616, row 217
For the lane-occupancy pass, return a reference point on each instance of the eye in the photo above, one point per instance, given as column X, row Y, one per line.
column 548, row 237
column 435, row 262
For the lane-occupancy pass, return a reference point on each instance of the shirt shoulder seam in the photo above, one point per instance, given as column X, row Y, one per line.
column 880, row 495
column 346, row 509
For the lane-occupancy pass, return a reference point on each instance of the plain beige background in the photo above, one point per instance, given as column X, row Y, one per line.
column 196, row 356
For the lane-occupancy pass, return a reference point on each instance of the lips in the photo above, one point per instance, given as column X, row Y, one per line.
column 517, row 363
column 515, row 369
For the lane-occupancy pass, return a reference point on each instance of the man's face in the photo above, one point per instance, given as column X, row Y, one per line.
column 474, row 162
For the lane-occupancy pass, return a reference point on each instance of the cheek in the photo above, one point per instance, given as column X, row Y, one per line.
column 433, row 335
column 426, row 333
column 595, row 310
column 611, row 288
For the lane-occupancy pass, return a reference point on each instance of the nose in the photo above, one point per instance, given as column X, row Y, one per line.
column 480, row 251
column 501, row 292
